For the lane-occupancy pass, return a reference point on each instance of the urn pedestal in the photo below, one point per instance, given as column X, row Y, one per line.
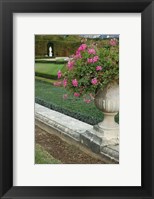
column 107, row 100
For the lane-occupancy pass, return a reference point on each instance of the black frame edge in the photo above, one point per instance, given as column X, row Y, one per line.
column 1, row 168
column 6, row 90
column 146, row 121
column 152, row 98
column 6, row 166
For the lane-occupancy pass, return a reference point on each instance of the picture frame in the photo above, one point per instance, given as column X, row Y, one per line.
column 7, row 8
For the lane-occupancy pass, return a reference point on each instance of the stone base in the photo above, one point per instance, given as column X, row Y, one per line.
column 91, row 140
column 109, row 136
column 101, row 144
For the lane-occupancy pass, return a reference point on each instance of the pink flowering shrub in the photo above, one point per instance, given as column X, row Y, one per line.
column 87, row 101
column 57, row 83
column 92, row 51
column 94, row 81
column 65, row 96
column 74, row 82
column 91, row 68
column 70, row 65
column 113, row 42
column 65, row 82
column 98, row 68
column 76, row 94
column 59, row 74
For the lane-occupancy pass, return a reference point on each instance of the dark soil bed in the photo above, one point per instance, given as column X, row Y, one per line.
column 61, row 150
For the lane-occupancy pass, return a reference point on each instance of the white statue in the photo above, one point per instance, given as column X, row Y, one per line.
column 50, row 51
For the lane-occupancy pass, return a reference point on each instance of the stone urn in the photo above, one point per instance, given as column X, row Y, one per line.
column 107, row 100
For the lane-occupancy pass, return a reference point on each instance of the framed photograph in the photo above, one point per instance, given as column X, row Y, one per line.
column 76, row 99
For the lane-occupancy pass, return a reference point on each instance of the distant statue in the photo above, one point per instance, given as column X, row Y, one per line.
column 50, row 51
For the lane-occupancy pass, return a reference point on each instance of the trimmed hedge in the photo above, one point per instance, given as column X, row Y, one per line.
column 45, row 75
column 88, row 119
column 51, row 61
column 61, row 48
column 42, row 79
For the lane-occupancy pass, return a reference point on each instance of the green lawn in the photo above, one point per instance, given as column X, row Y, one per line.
column 43, row 157
column 49, row 68
column 75, row 107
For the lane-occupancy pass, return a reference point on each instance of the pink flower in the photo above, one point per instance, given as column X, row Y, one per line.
column 57, row 83
column 90, row 60
column 113, row 42
column 65, row 82
column 92, row 51
column 98, row 68
column 65, row 96
column 70, row 64
column 59, row 74
column 95, row 59
column 76, row 94
column 94, row 81
column 75, row 82
column 82, row 47
column 78, row 55
column 87, row 101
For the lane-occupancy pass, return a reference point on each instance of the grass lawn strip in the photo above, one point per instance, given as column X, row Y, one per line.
column 43, row 157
